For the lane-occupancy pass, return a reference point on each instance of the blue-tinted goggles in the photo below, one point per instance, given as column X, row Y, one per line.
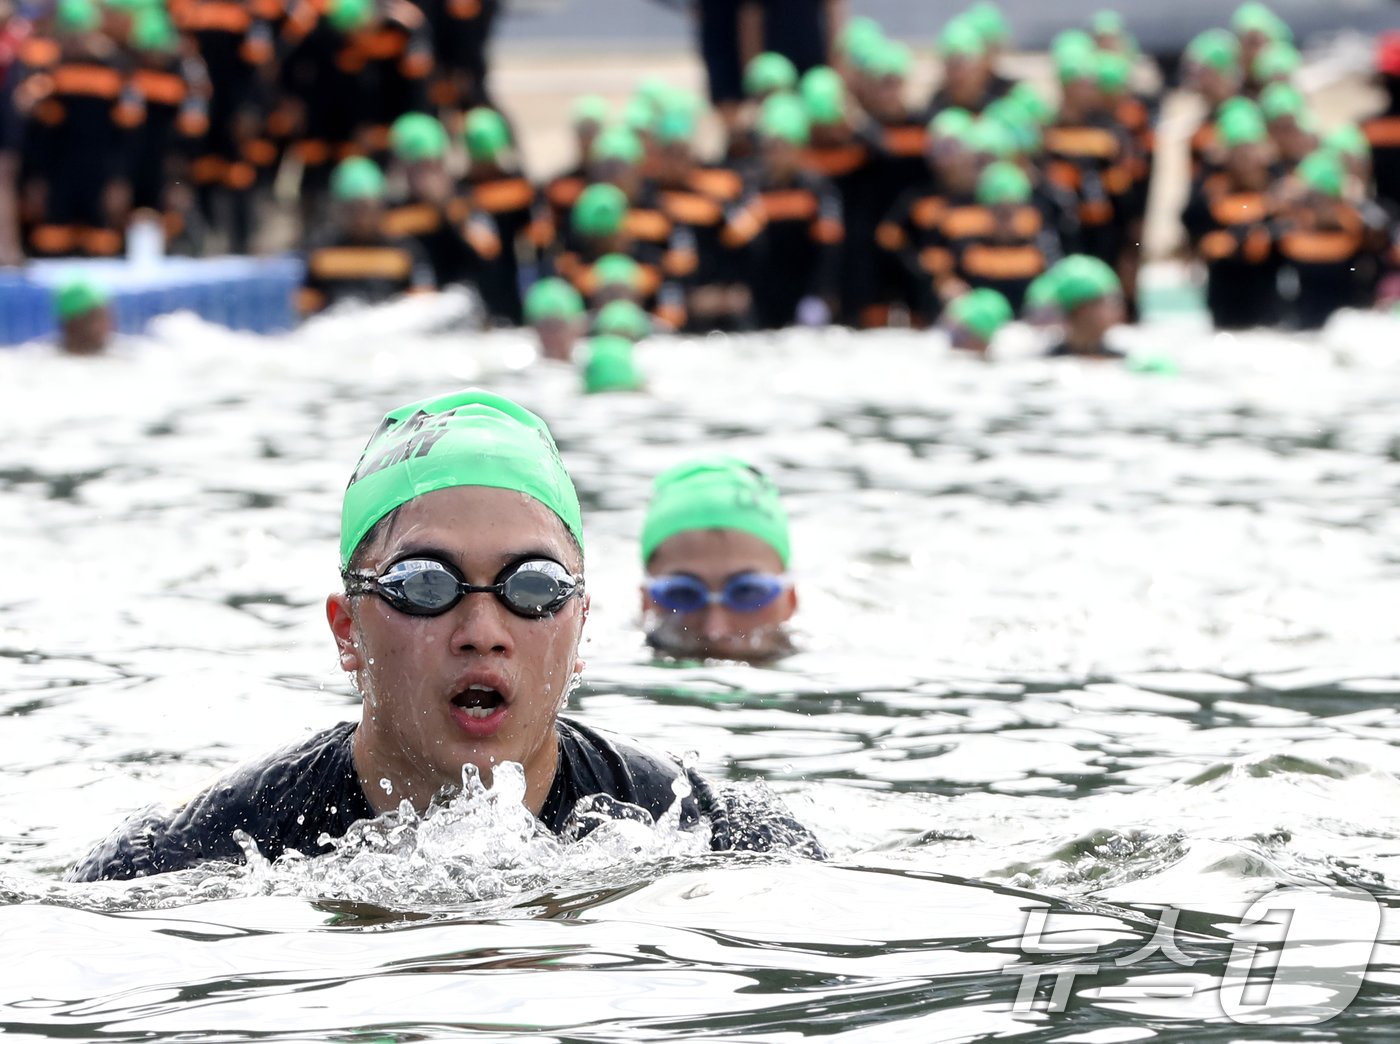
column 742, row 592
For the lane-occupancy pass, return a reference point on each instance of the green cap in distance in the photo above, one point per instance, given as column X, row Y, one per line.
column 1279, row 60
column 982, row 312
column 152, row 31
column 991, row 137
column 416, row 137
column 638, row 115
column 858, row 32
column 468, row 438
column 715, row 493
column 1348, row 140
column 599, row 210
column 1107, row 23
column 76, row 296
column 1042, row 293
column 960, row 38
column 1081, row 279
column 824, row 95
column 77, row 16
column 623, row 319
column 1113, row 72
column 617, row 145
column 485, row 133
column 767, row 73
column 611, row 365
column 952, row 124
column 1072, row 41
column 1281, row 99
column 653, row 90
column 1073, row 63
column 1023, row 126
column 357, row 178
column 617, row 270
column 1001, row 183
column 989, row 21
column 675, row 125
column 552, row 298
column 1215, row 49
column 348, row 16
column 890, row 59
column 1033, row 102
column 1322, row 172
column 783, row 118
column 1254, row 17
column 1241, row 124
column 589, row 108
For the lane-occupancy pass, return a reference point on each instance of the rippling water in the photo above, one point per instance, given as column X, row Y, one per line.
column 1077, row 645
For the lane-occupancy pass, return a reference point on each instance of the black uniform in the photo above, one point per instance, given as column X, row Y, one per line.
column 288, row 800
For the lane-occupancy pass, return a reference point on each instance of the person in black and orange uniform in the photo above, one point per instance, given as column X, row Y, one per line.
column 1383, row 130
column 355, row 260
column 234, row 42
column 590, row 113
column 1324, row 239
column 1087, row 154
column 1212, row 63
column 969, row 81
column 170, row 86
column 1230, row 224
column 495, row 187
column 391, row 54
column 79, row 127
column 791, row 224
column 765, row 75
column 1136, row 116
column 1089, row 298
column 840, row 151
column 13, row 32
column 616, row 159
column 913, row 233
column 1291, row 127
column 696, row 200
column 1012, row 245
column 455, row 249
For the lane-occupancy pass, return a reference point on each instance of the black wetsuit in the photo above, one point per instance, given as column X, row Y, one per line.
column 290, row 799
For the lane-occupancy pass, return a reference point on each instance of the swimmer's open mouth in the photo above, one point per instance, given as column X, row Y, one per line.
column 478, row 701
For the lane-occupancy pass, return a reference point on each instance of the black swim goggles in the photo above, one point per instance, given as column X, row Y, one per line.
column 741, row 593
column 533, row 587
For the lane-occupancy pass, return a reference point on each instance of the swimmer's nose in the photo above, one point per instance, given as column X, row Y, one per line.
column 482, row 625
column 718, row 623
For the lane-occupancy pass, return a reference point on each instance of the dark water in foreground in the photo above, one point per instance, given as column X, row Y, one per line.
column 1087, row 657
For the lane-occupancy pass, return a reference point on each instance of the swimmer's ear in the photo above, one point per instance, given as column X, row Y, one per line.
column 343, row 629
column 791, row 596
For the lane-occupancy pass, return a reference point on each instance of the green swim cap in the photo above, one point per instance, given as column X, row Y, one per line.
column 617, row 145
column 1113, row 72
column 675, row 125
column 1003, row 182
column 77, row 16
column 891, row 58
column 983, row 312
column 599, row 210
column 858, row 32
column 1107, row 23
column 987, row 18
column 617, row 270
column 960, row 38
column 347, row 16
column 611, row 366
column 1071, row 41
column 824, row 95
column 1279, row 60
column 783, row 118
column 715, row 493
column 769, row 72
column 76, row 296
column 1023, row 127
column 1322, row 172
column 1215, row 49
column 653, row 90
column 623, row 319
column 485, row 133
column 467, row 438
column 1081, row 279
column 552, row 298
column 1033, row 102
column 1043, row 291
column 1279, row 100
column 416, row 137
column 1348, row 140
column 953, row 124
column 151, row 31
column 991, row 138
column 589, row 108
column 1254, row 17
column 638, row 115
column 1073, row 63
column 1241, row 125
column 357, row 178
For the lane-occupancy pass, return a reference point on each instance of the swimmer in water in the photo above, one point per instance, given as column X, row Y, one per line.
column 715, row 548
column 84, row 317
column 460, row 616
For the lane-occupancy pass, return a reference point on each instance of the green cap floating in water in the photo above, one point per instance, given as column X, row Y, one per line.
column 599, row 210
column 589, row 108
column 769, row 72
column 784, row 118
column 552, row 298
column 1003, row 182
column 76, row 296
column 982, row 312
column 617, row 270
column 1241, row 123
column 1081, row 279
column 824, row 95
column 617, row 145
column 468, row 438
column 623, row 319
column 715, row 493
column 1322, row 172
column 611, row 366
column 960, row 38
column 485, row 133
column 357, row 178
column 416, row 137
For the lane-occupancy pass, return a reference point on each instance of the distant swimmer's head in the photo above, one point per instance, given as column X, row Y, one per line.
column 973, row 319
column 783, row 132
column 1090, row 298
column 600, row 214
column 84, row 315
column 487, row 138
column 615, row 277
column 715, row 547
column 357, row 187
column 555, row 311
column 461, row 553
column 611, row 365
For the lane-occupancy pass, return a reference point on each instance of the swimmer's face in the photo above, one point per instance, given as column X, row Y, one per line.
column 420, row 676
column 557, row 337
column 715, row 555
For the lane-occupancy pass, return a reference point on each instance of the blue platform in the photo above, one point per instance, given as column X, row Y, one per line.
column 242, row 293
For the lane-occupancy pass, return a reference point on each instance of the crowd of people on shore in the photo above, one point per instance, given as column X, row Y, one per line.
column 838, row 197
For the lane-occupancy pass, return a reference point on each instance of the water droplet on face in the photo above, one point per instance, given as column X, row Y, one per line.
column 386, row 785
column 371, row 661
